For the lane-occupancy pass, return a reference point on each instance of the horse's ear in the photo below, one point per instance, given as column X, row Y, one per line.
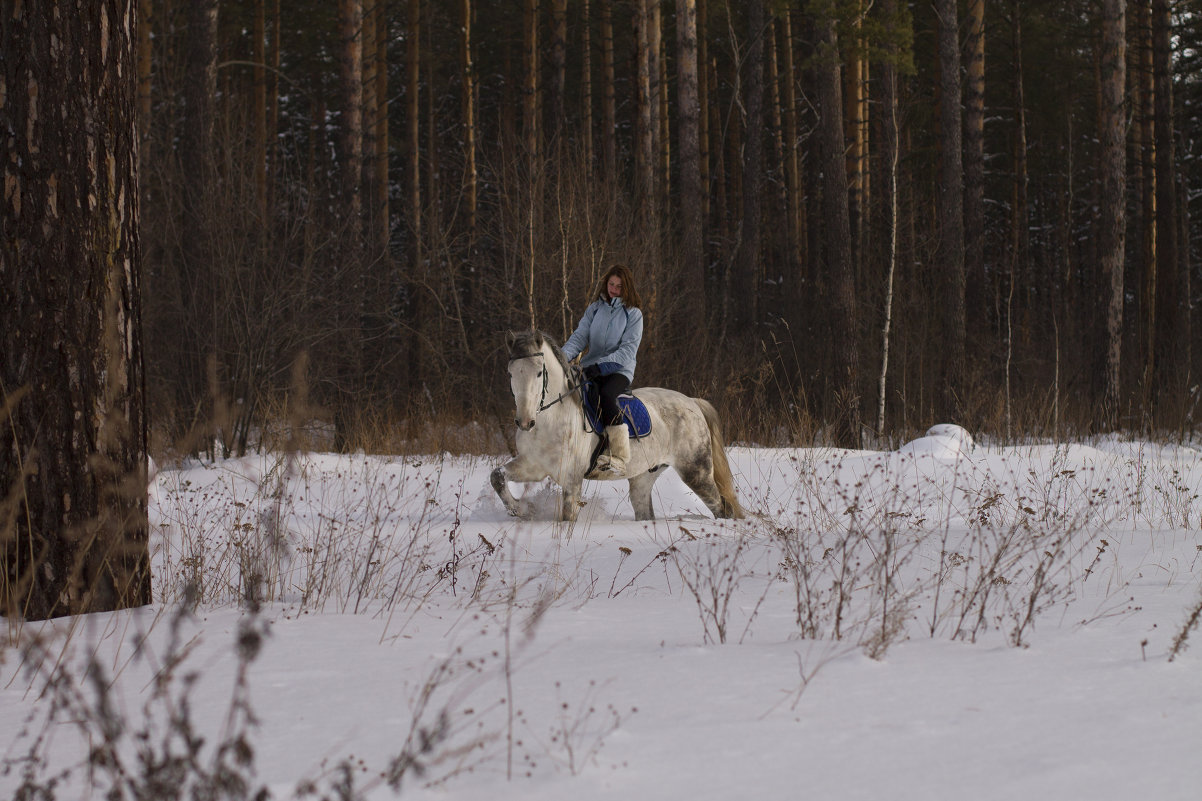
column 510, row 338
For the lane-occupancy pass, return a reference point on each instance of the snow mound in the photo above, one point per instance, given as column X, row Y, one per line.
column 945, row 441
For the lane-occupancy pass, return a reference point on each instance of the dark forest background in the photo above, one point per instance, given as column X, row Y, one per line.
column 346, row 204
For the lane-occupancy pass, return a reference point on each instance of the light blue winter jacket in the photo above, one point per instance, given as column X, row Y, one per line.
column 611, row 333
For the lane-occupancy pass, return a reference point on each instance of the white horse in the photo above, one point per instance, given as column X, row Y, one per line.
column 554, row 440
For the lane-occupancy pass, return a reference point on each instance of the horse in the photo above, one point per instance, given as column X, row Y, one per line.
column 555, row 440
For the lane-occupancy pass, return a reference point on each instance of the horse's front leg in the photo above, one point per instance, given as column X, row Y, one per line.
column 570, row 503
column 640, row 494
column 519, row 470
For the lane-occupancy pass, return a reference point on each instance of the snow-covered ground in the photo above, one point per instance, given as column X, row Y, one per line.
column 949, row 620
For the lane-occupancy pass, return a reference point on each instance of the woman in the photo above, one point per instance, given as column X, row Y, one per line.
column 609, row 335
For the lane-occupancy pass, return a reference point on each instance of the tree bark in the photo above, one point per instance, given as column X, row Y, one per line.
column 663, row 138
column 703, row 95
column 890, row 151
column 259, row 108
column 951, row 211
column 609, row 118
column 531, row 107
column 692, row 222
column 856, row 121
column 974, row 162
column 1019, row 226
column 795, row 200
column 73, row 519
column 559, row 69
column 747, row 260
column 840, row 268
column 468, row 104
column 196, row 156
column 1112, row 216
column 378, row 211
column 273, row 100
column 350, row 126
column 1146, row 159
column 1172, row 290
column 145, row 77
column 644, row 164
column 586, row 83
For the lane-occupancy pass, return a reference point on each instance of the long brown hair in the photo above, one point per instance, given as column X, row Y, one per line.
column 630, row 295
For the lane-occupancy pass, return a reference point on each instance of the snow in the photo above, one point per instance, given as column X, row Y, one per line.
column 953, row 619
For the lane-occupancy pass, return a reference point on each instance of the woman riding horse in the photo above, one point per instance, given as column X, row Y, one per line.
column 609, row 334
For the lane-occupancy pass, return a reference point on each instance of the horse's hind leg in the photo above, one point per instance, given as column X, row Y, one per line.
column 699, row 477
column 640, row 495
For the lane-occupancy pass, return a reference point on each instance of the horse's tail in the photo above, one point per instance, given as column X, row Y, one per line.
column 722, row 475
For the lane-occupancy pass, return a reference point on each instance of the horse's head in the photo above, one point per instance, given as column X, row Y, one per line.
column 531, row 356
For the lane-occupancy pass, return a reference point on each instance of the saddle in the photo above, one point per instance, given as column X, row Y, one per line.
column 634, row 412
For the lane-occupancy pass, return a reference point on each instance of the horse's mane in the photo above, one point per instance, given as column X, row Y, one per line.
column 528, row 343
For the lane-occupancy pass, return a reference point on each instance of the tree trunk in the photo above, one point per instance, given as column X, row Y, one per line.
column 951, row 211
column 371, row 107
column 413, row 193
column 259, row 108
column 795, row 199
column 348, row 276
column 890, row 151
column 703, row 117
column 747, row 259
column 841, row 277
column 692, row 221
column 145, row 77
column 609, row 119
column 1019, row 226
column 778, row 235
column 644, row 163
column 1148, row 244
column 273, row 100
column 1112, row 216
column 856, row 121
column 468, row 104
column 1172, row 290
column 73, row 525
column 890, row 158
column 586, row 83
column 974, row 163
column 350, row 126
column 663, row 138
column 378, row 204
column 530, row 86
column 196, row 156
column 559, row 69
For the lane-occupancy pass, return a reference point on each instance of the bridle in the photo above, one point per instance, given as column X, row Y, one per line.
column 542, row 401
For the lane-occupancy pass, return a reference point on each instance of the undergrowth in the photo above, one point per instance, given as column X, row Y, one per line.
column 905, row 549
column 162, row 752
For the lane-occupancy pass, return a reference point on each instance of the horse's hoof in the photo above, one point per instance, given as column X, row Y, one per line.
column 522, row 511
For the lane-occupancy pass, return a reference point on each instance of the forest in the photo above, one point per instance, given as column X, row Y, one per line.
column 848, row 219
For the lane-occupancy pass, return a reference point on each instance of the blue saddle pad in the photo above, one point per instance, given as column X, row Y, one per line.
column 634, row 412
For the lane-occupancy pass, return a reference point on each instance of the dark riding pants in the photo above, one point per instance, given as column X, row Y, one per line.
column 610, row 387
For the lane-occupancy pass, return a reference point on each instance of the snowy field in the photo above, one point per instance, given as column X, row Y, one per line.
column 945, row 621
